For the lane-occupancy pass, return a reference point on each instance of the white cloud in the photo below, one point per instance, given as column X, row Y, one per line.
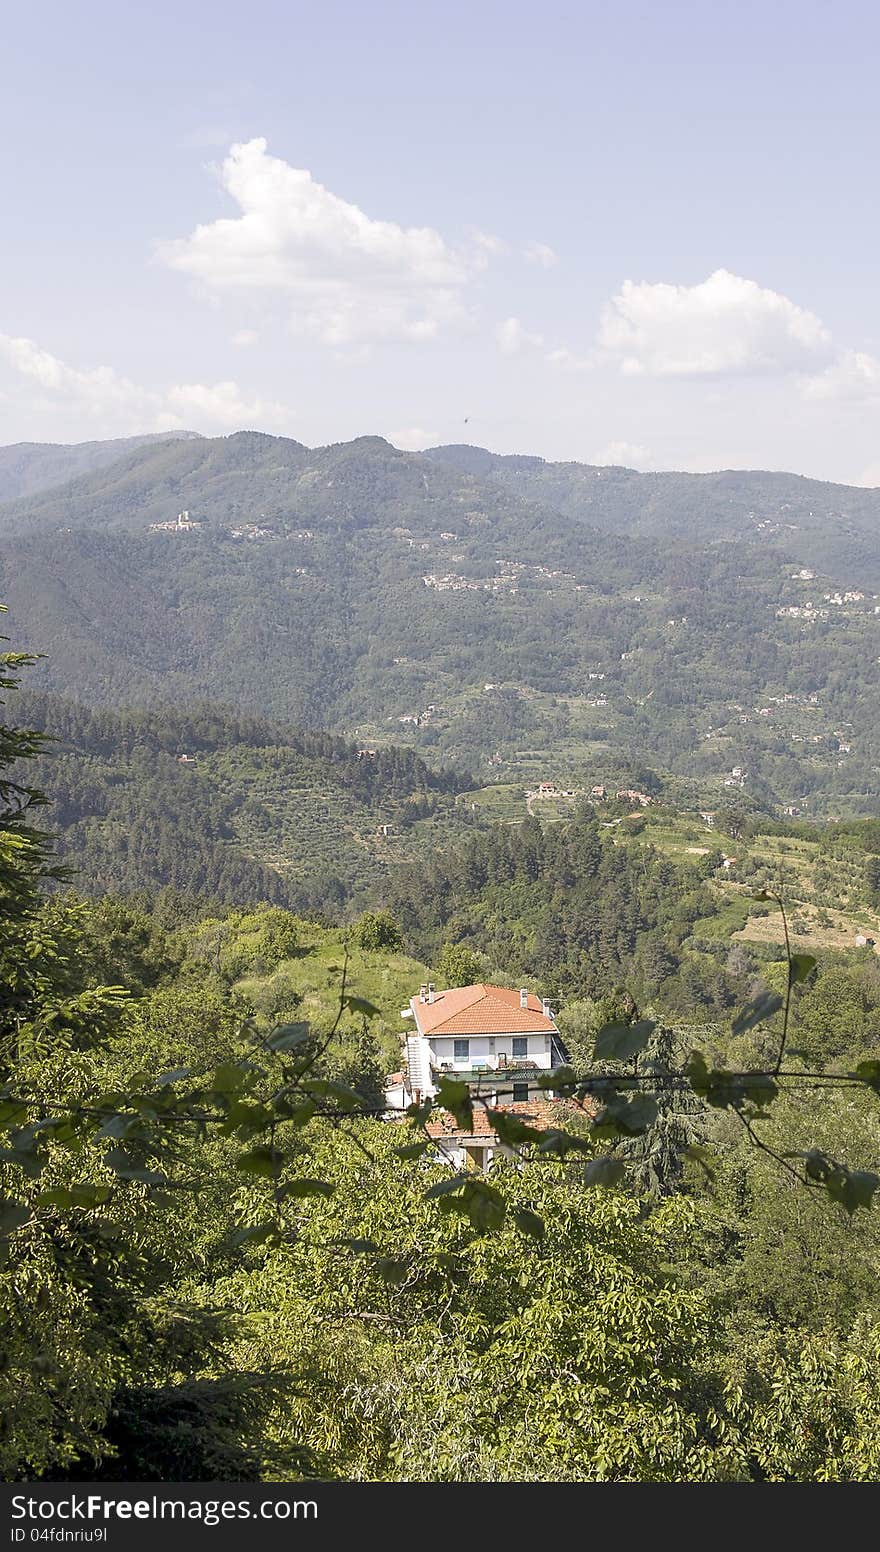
column 219, row 404
column 413, row 438
column 487, row 245
column 513, row 338
column 569, row 360
column 628, row 454
column 343, row 277
column 725, row 324
column 854, row 376
column 245, row 337
column 114, row 405
column 540, row 253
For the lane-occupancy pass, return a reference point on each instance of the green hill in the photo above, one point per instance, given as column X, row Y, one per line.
column 210, row 802
column 834, row 528
column 530, row 621
column 27, row 468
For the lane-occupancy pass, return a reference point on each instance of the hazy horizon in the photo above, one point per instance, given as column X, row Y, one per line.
column 185, row 432
column 480, row 225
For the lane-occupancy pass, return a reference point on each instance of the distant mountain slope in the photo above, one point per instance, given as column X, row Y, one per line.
column 216, row 803
column 253, row 477
column 256, row 478
column 523, row 619
column 833, row 527
column 26, row 468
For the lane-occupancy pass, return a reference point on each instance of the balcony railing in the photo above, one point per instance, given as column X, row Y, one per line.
column 475, row 1073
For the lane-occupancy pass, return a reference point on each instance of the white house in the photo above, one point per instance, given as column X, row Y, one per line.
column 498, row 1041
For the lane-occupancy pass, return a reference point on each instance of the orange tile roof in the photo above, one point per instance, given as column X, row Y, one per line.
column 480, row 1010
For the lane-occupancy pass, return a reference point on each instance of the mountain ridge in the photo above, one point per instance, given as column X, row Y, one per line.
column 255, row 476
column 27, row 468
column 539, row 621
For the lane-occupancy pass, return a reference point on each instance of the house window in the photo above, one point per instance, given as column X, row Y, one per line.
column 461, row 1050
column 520, row 1093
column 520, row 1045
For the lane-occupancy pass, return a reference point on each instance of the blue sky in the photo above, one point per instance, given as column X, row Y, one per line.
column 611, row 232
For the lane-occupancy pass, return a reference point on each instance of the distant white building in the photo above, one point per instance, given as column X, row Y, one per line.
column 183, row 523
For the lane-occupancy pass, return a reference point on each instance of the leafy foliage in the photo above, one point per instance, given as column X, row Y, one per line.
column 217, row 1260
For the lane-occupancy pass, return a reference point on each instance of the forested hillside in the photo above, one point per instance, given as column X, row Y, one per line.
column 220, row 1260
column 834, row 528
column 29, row 467
column 215, row 804
column 404, row 598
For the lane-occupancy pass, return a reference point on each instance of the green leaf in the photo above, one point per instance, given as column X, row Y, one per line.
column 455, row 1097
column 228, row 1079
column 284, row 1037
column 763, row 1007
column 511, row 1130
column 486, row 1206
column 306, row 1188
column 626, row 1116
column 617, row 1042
column 869, row 1072
column 412, row 1150
column 257, row 1234
column 12, row 1112
column 759, row 1089
column 119, row 1126
column 297, row 1115
column 361, row 1247
column 27, row 1159
column 128, row 1168
column 347, row 1099
column 528, row 1222
column 85, row 1194
column 147, row 1177
column 723, row 1089
column 702, row 1156
column 852, row 1188
column 697, row 1073
column 448, row 1262
column 392, row 1269
column 176, row 1076
column 420, row 1113
column 63, row 1129
column 444, row 1187
column 245, row 1117
column 560, row 1143
column 604, row 1172
column 558, row 1078
column 13, row 1214
column 261, row 1161
column 800, row 968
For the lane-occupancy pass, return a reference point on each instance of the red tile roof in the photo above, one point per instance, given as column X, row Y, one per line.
column 480, row 1010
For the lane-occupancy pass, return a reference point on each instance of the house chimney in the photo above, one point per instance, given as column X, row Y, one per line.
column 423, row 992
column 545, row 1008
column 430, row 991
column 523, row 996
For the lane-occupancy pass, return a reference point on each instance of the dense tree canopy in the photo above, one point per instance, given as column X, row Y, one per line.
column 220, row 1261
